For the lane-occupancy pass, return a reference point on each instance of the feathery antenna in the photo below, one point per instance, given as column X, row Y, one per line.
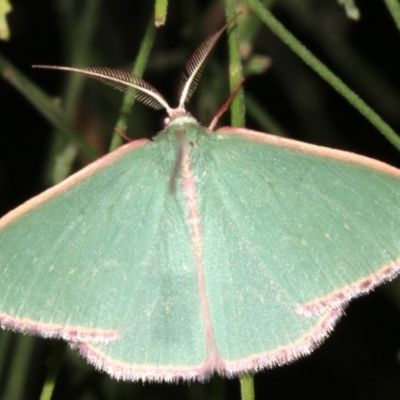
column 123, row 81
column 194, row 68
column 195, row 65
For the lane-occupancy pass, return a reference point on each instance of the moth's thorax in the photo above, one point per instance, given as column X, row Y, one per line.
column 181, row 126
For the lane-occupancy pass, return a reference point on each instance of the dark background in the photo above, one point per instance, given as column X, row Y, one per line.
column 360, row 359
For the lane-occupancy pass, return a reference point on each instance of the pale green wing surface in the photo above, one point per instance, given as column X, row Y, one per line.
column 162, row 336
column 287, row 225
column 107, row 256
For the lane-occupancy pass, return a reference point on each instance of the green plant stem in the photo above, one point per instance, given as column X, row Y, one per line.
column 351, row 61
column 160, row 12
column 394, row 9
column 247, row 387
column 5, row 341
column 80, row 34
column 235, row 67
column 324, row 72
column 138, row 70
column 19, row 368
column 350, row 9
column 54, row 365
column 45, row 105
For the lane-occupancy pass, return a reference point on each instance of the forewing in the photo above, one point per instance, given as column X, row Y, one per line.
column 106, row 255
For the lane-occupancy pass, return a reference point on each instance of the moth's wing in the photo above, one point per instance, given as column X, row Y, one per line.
column 106, row 256
column 291, row 232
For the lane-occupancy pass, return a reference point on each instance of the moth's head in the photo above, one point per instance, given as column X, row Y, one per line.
column 180, row 118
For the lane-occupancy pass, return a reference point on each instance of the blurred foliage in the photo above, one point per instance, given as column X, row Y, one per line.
column 5, row 8
column 284, row 96
column 351, row 9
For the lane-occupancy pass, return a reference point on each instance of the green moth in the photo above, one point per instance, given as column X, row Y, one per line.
column 247, row 263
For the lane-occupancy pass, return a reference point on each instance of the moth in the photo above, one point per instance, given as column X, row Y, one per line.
column 201, row 250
